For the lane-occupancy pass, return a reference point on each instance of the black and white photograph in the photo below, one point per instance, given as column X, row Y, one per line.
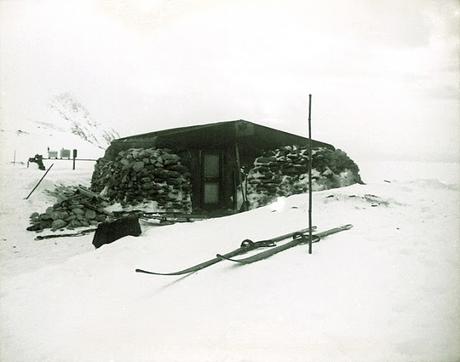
column 229, row 181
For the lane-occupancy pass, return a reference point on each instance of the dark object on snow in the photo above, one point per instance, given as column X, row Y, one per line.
column 108, row 232
column 38, row 183
column 38, row 159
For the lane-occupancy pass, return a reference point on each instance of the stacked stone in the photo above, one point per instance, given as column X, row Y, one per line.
column 73, row 212
column 284, row 172
column 140, row 175
column 101, row 174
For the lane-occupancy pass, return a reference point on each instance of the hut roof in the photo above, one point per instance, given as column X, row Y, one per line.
column 217, row 134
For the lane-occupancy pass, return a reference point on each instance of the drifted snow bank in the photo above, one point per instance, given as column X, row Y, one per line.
column 386, row 290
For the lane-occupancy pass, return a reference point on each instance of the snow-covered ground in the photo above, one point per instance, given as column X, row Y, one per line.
column 386, row 290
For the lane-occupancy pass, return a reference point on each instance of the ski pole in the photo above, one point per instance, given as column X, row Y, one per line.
column 39, row 181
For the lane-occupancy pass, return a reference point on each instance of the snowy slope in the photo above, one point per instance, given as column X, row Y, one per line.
column 63, row 123
column 75, row 117
column 386, row 290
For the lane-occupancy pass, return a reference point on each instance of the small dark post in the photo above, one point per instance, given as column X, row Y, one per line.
column 74, row 156
column 310, row 164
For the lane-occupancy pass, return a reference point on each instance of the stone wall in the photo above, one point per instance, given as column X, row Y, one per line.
column 284, row 172
column 140, row 175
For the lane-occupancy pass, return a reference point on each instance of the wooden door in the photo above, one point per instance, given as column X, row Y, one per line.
column 211, row 179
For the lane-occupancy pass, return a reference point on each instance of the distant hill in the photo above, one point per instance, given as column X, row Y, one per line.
column 65, row 123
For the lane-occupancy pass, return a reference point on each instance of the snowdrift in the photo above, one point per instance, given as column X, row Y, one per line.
column 387, row 290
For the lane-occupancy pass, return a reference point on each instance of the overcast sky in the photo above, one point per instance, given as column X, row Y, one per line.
column 384, row 74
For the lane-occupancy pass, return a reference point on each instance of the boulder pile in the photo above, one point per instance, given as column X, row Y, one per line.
column 75, row 208
column 140, row 175
column 284, row 172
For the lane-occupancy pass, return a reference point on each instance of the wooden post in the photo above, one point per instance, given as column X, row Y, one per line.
column 310, row 164
column 14, row 158
column 74, row 156
column 240, row 181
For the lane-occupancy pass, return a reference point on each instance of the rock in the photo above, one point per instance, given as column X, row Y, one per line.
column 178, row 168
column 77, row 211
column 35, row 216
column 169, row 159
column 174, row 181
column 75, row 223
column 173, row 174
column 146, row 180
column 125, row 162
column 45, row 217
column 34, row 227
column 147, row 186
column 137, row 166
column 101, row 217
column 58, row 224
column 90, row 214
column 45, row 224
column 158, row 172
column 265, row 160
column 261, row 169
column 56, row 215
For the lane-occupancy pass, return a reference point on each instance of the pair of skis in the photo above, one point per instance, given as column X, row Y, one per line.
column 298, row 237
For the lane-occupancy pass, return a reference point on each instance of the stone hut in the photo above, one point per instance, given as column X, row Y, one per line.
column 213, row 154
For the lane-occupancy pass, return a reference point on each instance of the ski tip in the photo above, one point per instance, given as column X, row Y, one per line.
column 163, row 274
column 146, row 272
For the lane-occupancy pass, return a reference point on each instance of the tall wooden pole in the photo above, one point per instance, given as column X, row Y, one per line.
column 310, row 163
